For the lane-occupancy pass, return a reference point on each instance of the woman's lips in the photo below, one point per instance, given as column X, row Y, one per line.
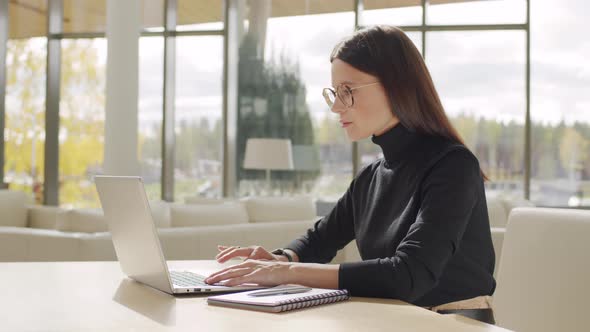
column 345, row 124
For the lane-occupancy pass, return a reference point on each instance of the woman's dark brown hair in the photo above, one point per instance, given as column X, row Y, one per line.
column 387, row 53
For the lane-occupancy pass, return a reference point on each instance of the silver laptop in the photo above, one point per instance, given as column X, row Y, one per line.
column 136, row 241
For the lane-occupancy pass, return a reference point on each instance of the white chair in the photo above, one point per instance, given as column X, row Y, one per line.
column 544, row 273
column 497, row 241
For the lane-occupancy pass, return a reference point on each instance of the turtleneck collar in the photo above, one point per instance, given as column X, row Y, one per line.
column 395, row 143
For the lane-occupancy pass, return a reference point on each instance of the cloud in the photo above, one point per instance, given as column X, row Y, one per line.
column 481, row 71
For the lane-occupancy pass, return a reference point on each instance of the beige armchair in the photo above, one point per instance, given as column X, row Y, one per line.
column 544, row 273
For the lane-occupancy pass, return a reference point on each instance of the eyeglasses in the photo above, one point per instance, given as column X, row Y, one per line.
column 344, row 93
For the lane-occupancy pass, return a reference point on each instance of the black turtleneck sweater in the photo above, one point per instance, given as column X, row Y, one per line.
column 420, row 221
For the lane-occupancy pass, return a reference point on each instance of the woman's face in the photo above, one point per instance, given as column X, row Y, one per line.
column 371, row 113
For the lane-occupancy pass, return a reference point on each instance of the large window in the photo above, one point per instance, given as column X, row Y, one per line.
column 475, row 50
column 25, row 115
column 476, row 11
column 82, row 111
column 24, row 133
column 560, row 103
column 480, row 77
column 284, row 64
column 468, row 69
column 198, row 164
column 151, row 85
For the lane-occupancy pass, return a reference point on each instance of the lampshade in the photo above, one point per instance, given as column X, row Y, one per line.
column 269, row 154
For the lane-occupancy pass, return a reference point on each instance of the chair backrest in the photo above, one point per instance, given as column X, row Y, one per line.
column 496, row 212
column 497, row 241
column 544, row 273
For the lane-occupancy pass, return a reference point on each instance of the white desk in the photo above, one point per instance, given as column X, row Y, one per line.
column 96, row 296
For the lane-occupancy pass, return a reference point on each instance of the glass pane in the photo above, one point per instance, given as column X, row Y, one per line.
column 393, row 12
column 416, row 38
column 24, row 132
column 27, row 18
column 199, row 70
column 480, row 77
column 199, row 15
column 284, row 65
column 82, row 112
column 84, row 15
column 560, row 103
column 369, row 151
column 151, row 84
column 476, row 11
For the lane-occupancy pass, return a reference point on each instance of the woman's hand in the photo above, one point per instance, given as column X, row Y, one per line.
column 262, row 272
column 254, row 252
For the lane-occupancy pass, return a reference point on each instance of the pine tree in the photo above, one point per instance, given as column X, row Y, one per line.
column 271, row 104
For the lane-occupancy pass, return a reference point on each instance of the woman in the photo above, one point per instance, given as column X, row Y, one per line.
column 418, row 215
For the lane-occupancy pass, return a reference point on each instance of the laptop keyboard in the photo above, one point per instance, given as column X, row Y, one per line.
column 187, row 279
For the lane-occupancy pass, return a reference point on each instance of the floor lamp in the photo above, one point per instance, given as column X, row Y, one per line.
column 268, row 154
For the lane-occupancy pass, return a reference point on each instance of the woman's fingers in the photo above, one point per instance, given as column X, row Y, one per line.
column 246, row 263
column 243, row 279
column 228, row 274
column 225, row 250
column 228, row 250
column 234, row 252
column 261, row 253
column 224, row 270
column 222, row 247
column 262, row 272
column 253, row 252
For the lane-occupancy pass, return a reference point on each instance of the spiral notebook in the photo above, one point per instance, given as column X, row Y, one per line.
column 279, row 303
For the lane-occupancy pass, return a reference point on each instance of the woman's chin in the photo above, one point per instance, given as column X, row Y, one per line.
column 351, row 137
column 354, row 137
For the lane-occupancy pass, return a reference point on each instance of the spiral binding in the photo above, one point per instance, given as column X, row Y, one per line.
column 310, row 301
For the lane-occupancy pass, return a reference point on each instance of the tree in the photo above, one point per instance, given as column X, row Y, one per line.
column 82, row 110
column 81, row 118
column 25, row 115
column 271, row 104
column 573, row 153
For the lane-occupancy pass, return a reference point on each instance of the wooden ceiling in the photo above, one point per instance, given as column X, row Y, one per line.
column 28, row 18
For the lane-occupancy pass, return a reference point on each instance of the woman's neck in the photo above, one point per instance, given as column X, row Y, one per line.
column 388, row 126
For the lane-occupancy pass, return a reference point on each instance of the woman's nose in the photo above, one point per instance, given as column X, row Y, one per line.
column 338, row 107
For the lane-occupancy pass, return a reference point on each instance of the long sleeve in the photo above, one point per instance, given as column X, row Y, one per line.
column 447, row 196
column 328, row 235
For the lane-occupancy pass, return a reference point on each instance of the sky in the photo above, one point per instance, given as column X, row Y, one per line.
column 479, row 72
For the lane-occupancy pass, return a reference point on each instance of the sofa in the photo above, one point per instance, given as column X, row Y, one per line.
column 187, row 231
